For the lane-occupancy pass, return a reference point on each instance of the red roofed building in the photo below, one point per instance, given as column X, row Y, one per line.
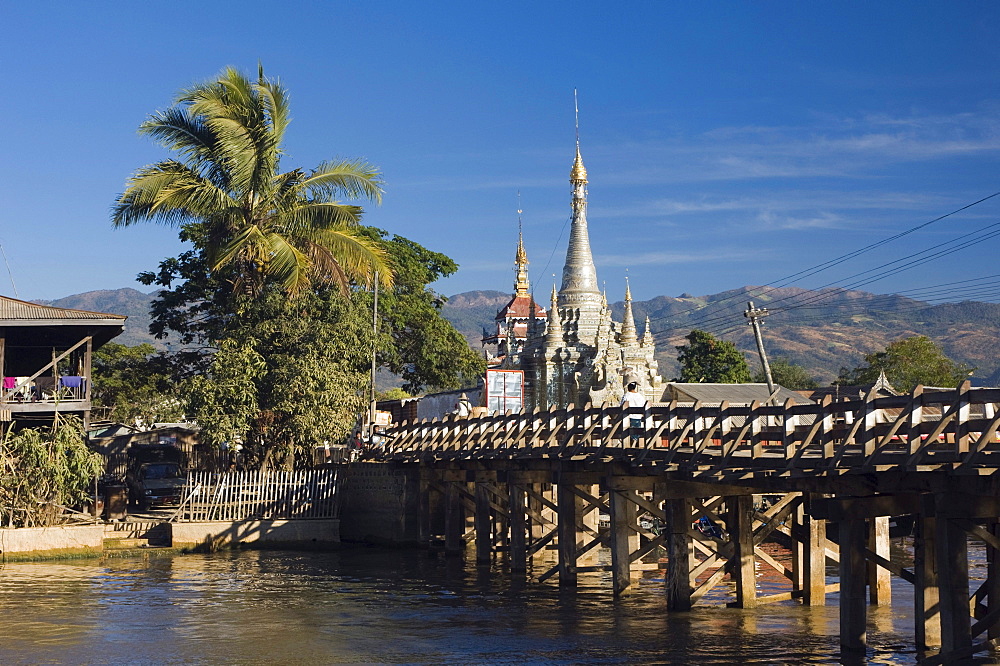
column 514, row 320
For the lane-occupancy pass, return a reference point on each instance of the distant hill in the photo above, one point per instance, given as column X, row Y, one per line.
column 129, row 302
column 820, row 330
column 471, row 311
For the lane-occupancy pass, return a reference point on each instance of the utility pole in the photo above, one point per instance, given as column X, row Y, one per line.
column 755, row 315
column 372, row 406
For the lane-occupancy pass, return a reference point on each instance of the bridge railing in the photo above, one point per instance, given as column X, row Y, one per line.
column 954, row 427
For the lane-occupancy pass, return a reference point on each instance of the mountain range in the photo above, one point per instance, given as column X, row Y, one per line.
column 823, row 331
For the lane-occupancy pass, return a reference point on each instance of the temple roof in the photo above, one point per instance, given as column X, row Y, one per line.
column 519, row 306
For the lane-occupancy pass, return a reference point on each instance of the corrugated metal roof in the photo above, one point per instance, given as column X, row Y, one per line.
column 12, row 309
column 735, row 394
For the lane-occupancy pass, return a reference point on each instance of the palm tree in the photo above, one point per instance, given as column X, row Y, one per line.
column 259, row 223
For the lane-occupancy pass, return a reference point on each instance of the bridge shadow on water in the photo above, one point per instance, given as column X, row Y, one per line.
column 375, row 605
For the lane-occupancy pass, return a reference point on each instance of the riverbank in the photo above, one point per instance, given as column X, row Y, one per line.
column 149, row 537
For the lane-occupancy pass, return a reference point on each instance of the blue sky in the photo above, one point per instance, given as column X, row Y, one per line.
column 727, row 144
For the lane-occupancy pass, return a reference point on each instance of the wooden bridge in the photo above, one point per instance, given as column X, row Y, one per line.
column 521, row 483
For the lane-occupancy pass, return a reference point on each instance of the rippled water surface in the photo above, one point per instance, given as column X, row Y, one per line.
column 361, row 605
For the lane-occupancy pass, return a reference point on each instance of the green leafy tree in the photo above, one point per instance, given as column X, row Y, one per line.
column 280, row 373
column 706, row 359
column 135, row 383
column 787, row 374
column 293, row 376
column 419, row 344
column 44, row 470
column 252, row 222
column 908, row 363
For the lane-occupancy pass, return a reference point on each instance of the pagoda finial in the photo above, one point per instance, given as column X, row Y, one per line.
column 552, row 325
column 579, row 283
column 521, row 285
column 628, row 321
column 647, row 337
column 578, row 174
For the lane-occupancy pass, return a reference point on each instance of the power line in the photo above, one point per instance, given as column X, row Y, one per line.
column 818, row 268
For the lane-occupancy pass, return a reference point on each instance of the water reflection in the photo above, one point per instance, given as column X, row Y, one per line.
column 392, row 606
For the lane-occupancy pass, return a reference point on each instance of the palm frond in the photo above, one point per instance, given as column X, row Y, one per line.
column 168, row 193
column 356, row 255
column 249, row 244
column 287, row 264
column 353, row 179
column 311, row 216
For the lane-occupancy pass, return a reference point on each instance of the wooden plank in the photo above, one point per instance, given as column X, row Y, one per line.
column 518, row 528
column 484, row 523
column 853, row 618
column 845, row 508
column 567, row 534
column 953, row 581
column 814, row 583
column 623, row 538
column 680, row 556
column 879, row 585
column 992, row 583
column 740, row 523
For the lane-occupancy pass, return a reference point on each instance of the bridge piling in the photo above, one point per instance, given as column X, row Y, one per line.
column 743, row 567
column 813, row 535
column 518, row 524
column 879, row 583
column 533, row 481
column 680, row 555
column 567, row 536
column 483, row 517
column 454, row 520
column 624, row 538
column 853, row 573
column 953, row 584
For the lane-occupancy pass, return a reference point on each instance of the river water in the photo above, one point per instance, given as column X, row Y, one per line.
column 367, row 605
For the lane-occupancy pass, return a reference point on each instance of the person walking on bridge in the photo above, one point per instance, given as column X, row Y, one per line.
column 632, row 399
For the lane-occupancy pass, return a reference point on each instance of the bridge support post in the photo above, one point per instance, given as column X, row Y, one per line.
column 814, row 559
column 993, row 581
column 454, row 520
column 518, row 526
column 953, row 583
column 680, row 555
column 429, row 504
column 853, row 609
column 588, row 519
column 566, row 532
column 536, row 508
column 926, row 596
column 879, row 583
column 744, row 570
column 624, row 538
column 483, row 519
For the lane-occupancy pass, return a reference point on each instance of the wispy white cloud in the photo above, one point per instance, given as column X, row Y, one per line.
column 668, row 257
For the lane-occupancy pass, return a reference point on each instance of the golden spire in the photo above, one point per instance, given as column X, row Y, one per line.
column 578, row 173
column 521, row 285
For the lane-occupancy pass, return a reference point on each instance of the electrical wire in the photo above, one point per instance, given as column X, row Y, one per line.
column 818, row 268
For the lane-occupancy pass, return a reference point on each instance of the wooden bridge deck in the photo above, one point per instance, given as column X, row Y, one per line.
column 516, row 484
column 951, row 430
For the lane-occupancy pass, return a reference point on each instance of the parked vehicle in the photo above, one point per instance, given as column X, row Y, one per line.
column 156, row 476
